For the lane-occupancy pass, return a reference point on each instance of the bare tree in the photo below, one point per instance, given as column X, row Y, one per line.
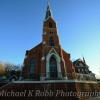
column 2, row 69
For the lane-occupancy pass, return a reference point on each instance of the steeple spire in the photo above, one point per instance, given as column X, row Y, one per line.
column 84, row 60
column 48, row 12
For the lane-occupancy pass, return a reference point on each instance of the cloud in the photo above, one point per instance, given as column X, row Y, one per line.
column 98, row 76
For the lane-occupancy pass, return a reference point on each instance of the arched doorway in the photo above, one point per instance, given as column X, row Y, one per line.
column 53, row 68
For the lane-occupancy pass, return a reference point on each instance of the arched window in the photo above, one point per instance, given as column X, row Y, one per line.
column 53, row 68
column 32, row 69
column 50, row 25
column 51, row 41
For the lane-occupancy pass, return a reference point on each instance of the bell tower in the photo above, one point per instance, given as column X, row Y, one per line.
column 51, row 51
column 50, row 36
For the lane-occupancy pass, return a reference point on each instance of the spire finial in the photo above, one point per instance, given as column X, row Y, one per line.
column 48, row 2
column 84, row 60
column 48, row 12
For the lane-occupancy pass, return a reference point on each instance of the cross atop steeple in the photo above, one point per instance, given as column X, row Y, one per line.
column 48, row 12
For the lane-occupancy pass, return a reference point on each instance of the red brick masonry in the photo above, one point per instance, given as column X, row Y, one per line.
column 48, row 90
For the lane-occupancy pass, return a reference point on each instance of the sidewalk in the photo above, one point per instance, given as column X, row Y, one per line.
column 94, row 98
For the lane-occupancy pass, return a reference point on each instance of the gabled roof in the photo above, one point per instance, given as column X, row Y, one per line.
column 80, row 61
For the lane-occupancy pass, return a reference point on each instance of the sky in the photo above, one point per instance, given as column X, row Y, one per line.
column 78, row 22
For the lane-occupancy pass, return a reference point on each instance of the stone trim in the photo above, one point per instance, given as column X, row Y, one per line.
column 58, row 59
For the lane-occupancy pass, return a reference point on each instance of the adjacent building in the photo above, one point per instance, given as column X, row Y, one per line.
column 82, row 70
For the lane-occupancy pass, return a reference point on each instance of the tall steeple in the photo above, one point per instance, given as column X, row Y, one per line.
column 50, row 36
column 48, row 11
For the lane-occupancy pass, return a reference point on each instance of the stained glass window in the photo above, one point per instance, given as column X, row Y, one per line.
column 51, row 41
column 32, row 68
column 53, row 68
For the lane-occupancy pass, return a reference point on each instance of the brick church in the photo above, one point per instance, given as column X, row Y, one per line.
column 48, row 60
column 48, row 69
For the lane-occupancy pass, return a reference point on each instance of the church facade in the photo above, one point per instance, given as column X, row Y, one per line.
column 48, row 60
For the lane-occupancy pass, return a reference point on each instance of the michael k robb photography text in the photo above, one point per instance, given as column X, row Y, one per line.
column 45, row 93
